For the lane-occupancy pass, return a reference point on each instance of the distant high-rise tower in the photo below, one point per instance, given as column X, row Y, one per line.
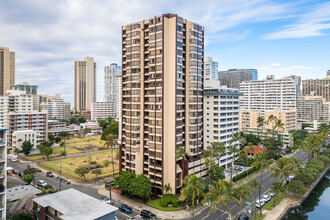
column 162, row 99
column 7, row 69
column 210, row 69
column 110, row 83
column 84, row 84
column 233, row 77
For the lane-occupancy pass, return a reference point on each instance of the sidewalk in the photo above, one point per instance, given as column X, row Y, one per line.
column 139, row 206
column 278, row 209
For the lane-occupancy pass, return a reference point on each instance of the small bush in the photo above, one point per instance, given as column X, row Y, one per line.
column 169, row 199
column 106, row 163
column 244, row 174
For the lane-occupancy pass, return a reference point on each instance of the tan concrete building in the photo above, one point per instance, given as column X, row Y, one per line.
column 84, row 84
column 7, row 69
column 162, row 98
column 317, row 87
column 312, row 108
column 250, row 119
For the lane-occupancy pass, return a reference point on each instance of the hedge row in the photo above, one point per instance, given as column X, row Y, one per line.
column 244, row 174
column 169, row 199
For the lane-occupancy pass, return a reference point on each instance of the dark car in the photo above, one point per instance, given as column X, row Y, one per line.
column 125, row 208
column 20, row 173
column 37, row 169
column 145, row 214
column 50, row 174
column 244, row 217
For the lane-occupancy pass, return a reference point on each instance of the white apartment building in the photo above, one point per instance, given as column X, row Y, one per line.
column 18, row 137
column 3, row 172
column 110, row 83
column 14, row 101
column 101, row 110
column 119, row 96
column 33, row 120
column 312, row 108
column 221, row 116
column 57, row 109
column 210, row 69
column 265, row 95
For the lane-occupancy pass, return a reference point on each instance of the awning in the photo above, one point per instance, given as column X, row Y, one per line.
column 178, row 169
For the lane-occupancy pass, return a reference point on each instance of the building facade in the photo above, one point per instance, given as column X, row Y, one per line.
column 233, row 77
column 18, row 138
column 3, row 172
column 162, row 99
column 210, row 69
column 119, row 97
column 312, row 108
column 33, row 120
column 317, row 87
column 24, row 86
column 110, row 83
column 248, row 118
column 57, row 109
column 265, row 95
column 7, row 69
column 84, row 84
column 102, row 110
column 221, row 117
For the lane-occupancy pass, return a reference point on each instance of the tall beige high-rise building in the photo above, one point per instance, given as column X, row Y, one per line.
column 84, row 84
column 162, row 99
column 317, row 87
column 7, row 69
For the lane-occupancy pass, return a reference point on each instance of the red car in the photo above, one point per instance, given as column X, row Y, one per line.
column 15, row 171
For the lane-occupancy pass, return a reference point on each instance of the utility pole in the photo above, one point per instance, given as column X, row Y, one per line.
column 60, row 164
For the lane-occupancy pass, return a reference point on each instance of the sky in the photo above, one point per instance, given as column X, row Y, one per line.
column 278, row 38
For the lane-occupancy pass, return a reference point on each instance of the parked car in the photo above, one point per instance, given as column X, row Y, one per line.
column 244, row 217
column 267, row 197
column 272, row 194
column 260, row 203
column 42, row 183
column 290, row 178
column 30, row 165
column 37, row 169
column 50, row 174
column 125, row 208
column 67, row 181
column 20, row 174
column 15, row 171
column 110, row 202
column 104, row 198
column 145, row 214
column 13, row 159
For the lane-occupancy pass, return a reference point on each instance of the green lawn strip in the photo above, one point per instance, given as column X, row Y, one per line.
column 258, row 216
column 155, row 204
column 57, row 151
column 269, row 205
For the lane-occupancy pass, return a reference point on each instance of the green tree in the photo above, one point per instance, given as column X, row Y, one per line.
column 181, row 153
column 222, row 193
column 254, row 185
column 283, row 169
column 31, row 171
column 254, row 139
column 111, row 129
column 97, row 172
column 28, row 178
column 141, row 187
column 243, row 192
column 298, row 144
column 272, row 120
column 22, row 215
column 167, row 189
column 217, row 149
column 111, row 141
column 26, row 147
column 106, row 163
column 261, row 122
column 82, row 171
column 191, row 186
column 48, row 189
column 216, row 173
column 51, row 137
column 42, row 146
column 233, row 150
column 297, row 188
column 47, row 152
column 276, row 187
column 58, row 139
column 124, row 180
column 279, row 125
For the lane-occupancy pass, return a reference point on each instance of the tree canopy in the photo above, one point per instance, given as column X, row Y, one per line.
column 26, row 147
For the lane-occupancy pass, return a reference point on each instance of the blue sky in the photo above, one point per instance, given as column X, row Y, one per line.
column 275, row 37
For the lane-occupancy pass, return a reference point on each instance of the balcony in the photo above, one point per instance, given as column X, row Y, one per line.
column 2, row 141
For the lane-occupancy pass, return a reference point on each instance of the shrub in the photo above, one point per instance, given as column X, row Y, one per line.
column 244, row 174
column 297, row 188
column 106, row 163
column 169, row 199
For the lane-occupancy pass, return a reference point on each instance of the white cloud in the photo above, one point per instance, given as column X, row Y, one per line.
column 310, row 24
column 48, row 36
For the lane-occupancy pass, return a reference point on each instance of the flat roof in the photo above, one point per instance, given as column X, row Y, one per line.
column 18, row 192
column 75, row 205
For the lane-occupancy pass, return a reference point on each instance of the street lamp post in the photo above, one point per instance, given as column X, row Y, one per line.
column 60, row 164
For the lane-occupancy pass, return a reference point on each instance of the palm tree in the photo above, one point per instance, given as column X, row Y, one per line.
column 261, row 122
column 167, row 188
column 277, row 187
column 243, row 192
column 243, row 156
column 192, row 185
column 181, row 153
column 262, row 163
column 111, row 141
column 284, row 167
column 217, row 149
column 272, row 119
column 298, row 144
column 279, row 125
column 254, row 185
column 233, row 150
column 222, row 193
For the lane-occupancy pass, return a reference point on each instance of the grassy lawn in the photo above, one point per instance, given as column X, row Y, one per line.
column 258, row 216
column 269, row 205
column 155, row 204
column 73, row 146
column 70, row 164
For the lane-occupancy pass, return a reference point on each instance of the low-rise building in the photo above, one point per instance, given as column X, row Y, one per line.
column 71, row 204
column 256, row 151
column 56, row 124
column 18, row 138
column 3, row 172
column 102, row 110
